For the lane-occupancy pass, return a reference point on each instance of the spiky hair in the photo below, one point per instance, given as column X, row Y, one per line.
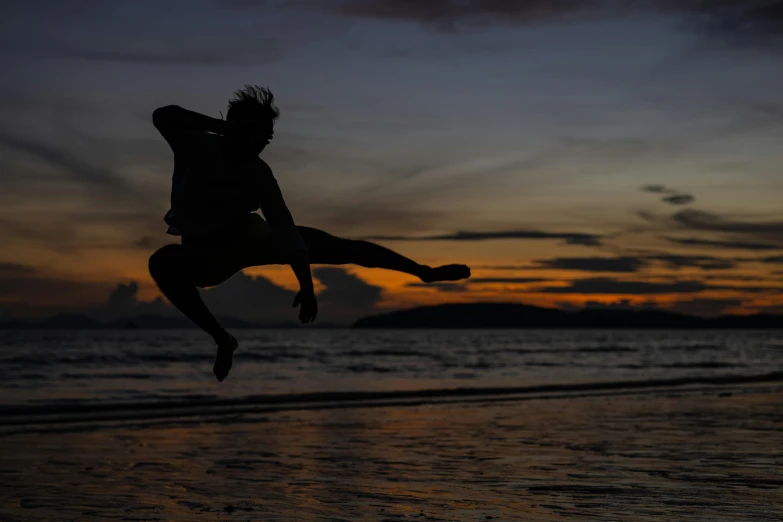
column 253, row 101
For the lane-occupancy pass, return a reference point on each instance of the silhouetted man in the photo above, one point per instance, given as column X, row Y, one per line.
column 218, row 183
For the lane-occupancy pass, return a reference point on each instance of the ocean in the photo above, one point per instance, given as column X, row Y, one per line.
column 99, row 371
column 339, row 425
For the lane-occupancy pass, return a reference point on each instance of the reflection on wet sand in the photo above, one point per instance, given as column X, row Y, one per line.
column 708, row 454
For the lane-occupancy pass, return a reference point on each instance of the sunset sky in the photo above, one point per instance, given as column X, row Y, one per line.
column 571, row 152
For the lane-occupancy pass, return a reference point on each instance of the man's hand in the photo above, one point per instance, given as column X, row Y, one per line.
column 309, row 308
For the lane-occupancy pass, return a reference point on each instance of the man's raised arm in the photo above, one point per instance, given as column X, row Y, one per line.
column 175, row 123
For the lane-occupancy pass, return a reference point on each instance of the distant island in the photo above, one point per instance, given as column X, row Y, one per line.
column 141, row 322
column 469, row 315
column 515, row 315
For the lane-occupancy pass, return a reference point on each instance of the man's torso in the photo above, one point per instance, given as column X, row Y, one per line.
column 209, row 190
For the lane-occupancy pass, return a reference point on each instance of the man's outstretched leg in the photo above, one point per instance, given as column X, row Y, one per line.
column 176, row 276
column 332, row 250
column 179, row 270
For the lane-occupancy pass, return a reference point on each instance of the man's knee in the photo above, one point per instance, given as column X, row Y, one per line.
column 164, row 260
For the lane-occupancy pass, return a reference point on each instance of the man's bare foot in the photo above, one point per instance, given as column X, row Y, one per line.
column 224, row 357
column 445, row 273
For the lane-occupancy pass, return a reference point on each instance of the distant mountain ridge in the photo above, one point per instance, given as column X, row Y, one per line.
column 467, row 315
column 142, row 322
column 516, row 315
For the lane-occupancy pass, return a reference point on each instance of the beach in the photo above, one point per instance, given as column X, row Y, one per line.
column 696, row 452
column 391, row 260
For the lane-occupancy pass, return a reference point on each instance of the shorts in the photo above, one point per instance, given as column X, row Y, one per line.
column 245, row 242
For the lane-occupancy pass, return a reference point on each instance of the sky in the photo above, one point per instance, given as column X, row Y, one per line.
column 615, row 153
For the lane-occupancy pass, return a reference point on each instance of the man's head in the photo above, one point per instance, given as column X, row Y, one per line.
column 254, row 107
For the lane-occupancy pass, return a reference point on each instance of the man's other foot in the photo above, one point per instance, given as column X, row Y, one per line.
column 224, row 357
column 445, row 273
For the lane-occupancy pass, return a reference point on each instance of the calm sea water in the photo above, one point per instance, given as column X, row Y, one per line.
column 51, row 368
column 132, row 425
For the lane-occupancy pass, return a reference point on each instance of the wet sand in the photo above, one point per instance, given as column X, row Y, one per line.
column 704, row 453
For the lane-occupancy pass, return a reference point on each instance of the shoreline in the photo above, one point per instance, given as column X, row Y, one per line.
column 708, row 454
column 50, row 414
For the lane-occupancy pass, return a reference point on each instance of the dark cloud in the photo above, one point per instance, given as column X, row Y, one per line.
column 446, row 14
column 124, row 301
column 698, row 219
column 626, row 264
column 500, row 267
column 754, row 235
column 656, row 189
column 465, row 286
column 123, row 294
column 600, row 285
column 26, row 289
column 258, row 299
column 704, row 262
column 751, row 22
column 346, row 290
column 508, row 280
column 772, row 260
column 570, row 238
column 593, row 264
column 738, row 245
column 633, row 263
column 673, row 197
column 679, row 199
column 736, row 16
column 254, row 299
column 265, row 4
column 743, row 22
column 442, row 287
column 707, row 221
column 738, row 277
column 30, row 291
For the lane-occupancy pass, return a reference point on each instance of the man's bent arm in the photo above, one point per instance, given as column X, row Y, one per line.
column 284, row 230
column 301, row 270
column 174, row 123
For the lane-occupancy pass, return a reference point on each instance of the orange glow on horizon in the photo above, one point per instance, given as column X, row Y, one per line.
column 100, row 271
